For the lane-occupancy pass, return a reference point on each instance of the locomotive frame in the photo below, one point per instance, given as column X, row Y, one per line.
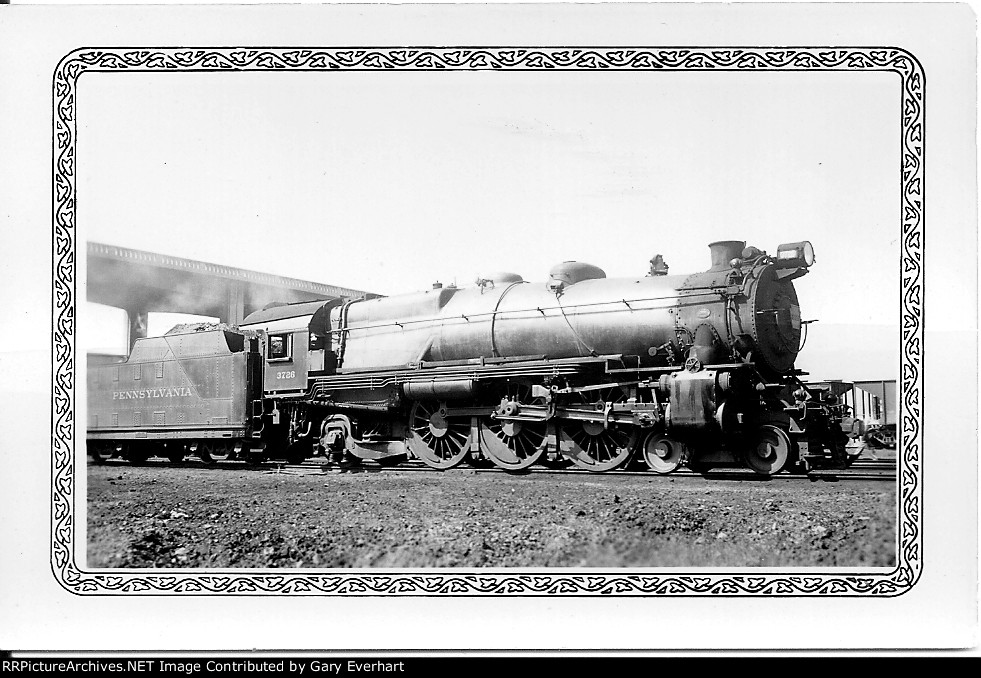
column 64, row 428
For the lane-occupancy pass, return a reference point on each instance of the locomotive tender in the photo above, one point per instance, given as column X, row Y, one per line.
column 582, row 369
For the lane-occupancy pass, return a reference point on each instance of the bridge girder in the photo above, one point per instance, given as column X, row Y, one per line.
column 141, row 282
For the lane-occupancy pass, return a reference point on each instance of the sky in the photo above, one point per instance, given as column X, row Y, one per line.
column 390, row 181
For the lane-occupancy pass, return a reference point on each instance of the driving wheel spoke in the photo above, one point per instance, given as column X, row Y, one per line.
column 507, row 439
column 590, row 446
column 513, row 445
column 441, row 442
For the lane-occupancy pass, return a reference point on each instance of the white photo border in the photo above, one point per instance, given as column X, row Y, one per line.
column 849, row 582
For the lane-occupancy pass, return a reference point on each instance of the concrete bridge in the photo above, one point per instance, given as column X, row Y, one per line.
column 143, row 282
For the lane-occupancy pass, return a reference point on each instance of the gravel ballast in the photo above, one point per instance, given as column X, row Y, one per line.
column 199, row 517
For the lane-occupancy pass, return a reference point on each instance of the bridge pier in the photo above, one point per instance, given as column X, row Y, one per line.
column 138, row 322
column 235, row 308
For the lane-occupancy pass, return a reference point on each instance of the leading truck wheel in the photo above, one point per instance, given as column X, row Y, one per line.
column 440, row 442
column 769, row 450
column 661, row 453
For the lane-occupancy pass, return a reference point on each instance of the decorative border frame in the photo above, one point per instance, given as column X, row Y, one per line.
column 493, row 583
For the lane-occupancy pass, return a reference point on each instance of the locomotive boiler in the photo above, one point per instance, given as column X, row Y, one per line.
column 579, row 369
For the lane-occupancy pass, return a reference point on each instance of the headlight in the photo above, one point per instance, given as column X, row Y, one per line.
column 795, row 254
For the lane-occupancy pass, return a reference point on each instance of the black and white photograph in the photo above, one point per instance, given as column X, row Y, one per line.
column 439, row 308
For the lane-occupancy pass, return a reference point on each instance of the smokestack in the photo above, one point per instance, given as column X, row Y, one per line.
column 725, row 251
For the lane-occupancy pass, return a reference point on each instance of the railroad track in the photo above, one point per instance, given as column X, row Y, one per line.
column 879, row 470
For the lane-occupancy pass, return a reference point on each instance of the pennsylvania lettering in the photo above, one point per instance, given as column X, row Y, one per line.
column 179, row 392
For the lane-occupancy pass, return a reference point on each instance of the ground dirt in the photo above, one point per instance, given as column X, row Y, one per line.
column 192, row 516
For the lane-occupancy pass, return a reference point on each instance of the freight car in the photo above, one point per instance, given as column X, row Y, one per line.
column 581, row 369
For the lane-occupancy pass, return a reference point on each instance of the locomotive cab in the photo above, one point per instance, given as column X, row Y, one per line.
column 296, row 344
column 292, row 345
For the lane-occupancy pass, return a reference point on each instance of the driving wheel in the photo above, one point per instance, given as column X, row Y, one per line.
column 439, row 441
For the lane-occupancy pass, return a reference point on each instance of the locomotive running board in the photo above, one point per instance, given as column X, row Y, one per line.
column 374, row 380
column 678, row 368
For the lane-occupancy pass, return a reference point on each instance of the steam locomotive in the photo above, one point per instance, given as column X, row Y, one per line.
column 584, row 370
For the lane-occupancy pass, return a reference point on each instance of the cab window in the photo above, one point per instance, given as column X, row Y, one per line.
column 280, row 347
